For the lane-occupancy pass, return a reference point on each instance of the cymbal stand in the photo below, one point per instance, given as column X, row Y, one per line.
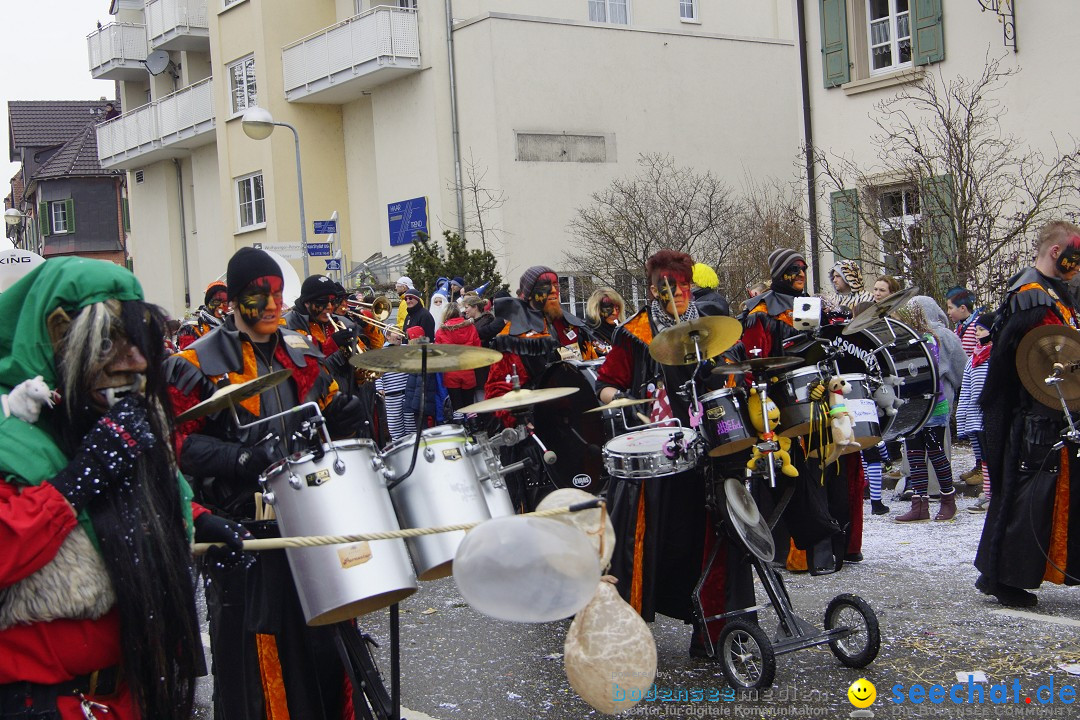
column 769, row 444
column 1072, row 434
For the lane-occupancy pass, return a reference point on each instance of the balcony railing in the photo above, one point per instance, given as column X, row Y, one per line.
column 177, row 25
column 339, row 63
column 166, row 128
column 117, row 52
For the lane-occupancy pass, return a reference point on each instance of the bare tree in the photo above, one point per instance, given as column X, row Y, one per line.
column 480, row 202
column 975, row 192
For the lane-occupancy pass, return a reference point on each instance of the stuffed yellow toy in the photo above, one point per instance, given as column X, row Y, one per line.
column 754, row 407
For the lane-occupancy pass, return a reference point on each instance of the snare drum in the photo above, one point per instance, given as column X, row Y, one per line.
column 443, row 489
column 724, row 422
column 488, row 469
column 791, row 393
column 652, row 452
column 339, row 494
column 859, row 401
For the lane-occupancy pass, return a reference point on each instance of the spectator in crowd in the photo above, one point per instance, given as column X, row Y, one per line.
column 960, row 306
column 403, row 284
column 884, row 286
column 456, row 330
column 969, row 420
column 416, row 315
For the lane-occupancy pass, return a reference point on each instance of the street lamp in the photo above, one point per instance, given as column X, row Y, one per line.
column 258, row 123
column 14, row 219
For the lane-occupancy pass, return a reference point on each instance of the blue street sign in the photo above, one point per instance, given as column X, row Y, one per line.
column 333, row 264
column 407, row 218
column 325, row 227
column 318, row 249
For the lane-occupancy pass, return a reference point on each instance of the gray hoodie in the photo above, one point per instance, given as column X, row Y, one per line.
column 951, row 357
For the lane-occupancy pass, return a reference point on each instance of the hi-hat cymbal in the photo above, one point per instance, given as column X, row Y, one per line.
column 620, row 403
column 1044, row 351
column 755, row 365
column 884, row 307
column 518, row 398
column 440, row 358
column 232, row 394
column 714, row 335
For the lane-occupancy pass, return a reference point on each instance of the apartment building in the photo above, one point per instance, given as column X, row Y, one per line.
column 551, row 99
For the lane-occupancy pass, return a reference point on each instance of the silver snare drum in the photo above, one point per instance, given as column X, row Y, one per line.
column 339, row 494
column 652, row 452
column 443, row 489
column 489, row 471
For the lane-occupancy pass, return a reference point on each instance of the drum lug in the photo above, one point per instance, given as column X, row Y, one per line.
column 429, row 453
column 268, row 498
column 295, row 482
column 339, row 466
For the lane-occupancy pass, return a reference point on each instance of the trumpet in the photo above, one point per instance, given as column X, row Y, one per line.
column 380, row 308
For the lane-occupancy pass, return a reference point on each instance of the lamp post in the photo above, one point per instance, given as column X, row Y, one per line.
column 15, row 219
column 258, row 123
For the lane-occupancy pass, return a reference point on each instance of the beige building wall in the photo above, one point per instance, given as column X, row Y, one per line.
column 1038, row 105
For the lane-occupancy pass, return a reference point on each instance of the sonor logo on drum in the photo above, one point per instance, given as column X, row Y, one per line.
column 581, row 481
column 849, row 348
column 452, row 454
column 354, row 555
column 317, row 478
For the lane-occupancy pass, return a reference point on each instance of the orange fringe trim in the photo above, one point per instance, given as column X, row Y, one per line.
column 639, row 554
column 1059, row 525
column 277, row 707
column 796, row 558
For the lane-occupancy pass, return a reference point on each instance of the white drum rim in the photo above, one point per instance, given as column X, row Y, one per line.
column 722, row 392
column 309, row 456
column 689, row 436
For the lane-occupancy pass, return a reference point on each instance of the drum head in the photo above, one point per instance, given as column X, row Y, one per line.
column 563, row 426
column 747, row 522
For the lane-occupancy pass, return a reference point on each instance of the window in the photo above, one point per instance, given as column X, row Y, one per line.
column 610, row 11
column 410, row 4
column 899, row 227
column 57, row 217
column 688, row 9
column 242, row 84
column 572, row 295
column 890, row 35
column 251, row 211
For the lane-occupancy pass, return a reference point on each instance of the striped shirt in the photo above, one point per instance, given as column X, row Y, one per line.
column 966, row 332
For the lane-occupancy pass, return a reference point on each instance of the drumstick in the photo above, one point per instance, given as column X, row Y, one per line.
column 671, row 301
column 318, row 540
column 258, row 506
column 643, row 417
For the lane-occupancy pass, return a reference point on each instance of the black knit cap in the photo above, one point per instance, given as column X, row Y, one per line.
column 246, row 265
column 315, row 287
column 780, row 259
column 529, row 278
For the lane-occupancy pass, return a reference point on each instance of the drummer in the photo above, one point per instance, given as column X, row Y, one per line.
column 662, row 528
column 224, row 462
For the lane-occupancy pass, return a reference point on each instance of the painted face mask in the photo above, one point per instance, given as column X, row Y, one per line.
column 794, row 273
column 218, row 304
column 320, row 308
column 120, row 370
column 1068, row 261
column 259, row 304
column 671, row 287
column 608, row 309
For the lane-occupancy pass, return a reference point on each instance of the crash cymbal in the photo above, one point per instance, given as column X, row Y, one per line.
column 884, row 307
column 1047, row 350
column 755, row 365
column 714, row 334
column 232, row 394
column 620, row 403
column 440, row 358
column 518, row 398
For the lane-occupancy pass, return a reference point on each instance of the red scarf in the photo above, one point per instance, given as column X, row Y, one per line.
column 981, row 354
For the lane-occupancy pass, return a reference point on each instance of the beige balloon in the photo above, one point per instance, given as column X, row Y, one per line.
column 588, row 521
column 610, row 653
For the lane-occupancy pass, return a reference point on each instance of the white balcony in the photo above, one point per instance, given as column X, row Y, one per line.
column 117, row 52
column 339, row 63
column 177, row 25
column 167, row 128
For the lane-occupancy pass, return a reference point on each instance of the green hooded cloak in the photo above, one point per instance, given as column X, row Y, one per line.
column 28, row 452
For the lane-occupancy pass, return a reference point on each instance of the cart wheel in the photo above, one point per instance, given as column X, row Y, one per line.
column 746, row 655
column 858, row 648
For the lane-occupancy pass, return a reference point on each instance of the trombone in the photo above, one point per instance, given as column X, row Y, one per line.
column 380, row 308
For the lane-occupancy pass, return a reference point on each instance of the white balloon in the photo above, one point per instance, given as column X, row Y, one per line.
column 602, row 537
column 14, row 264
column 526, row 569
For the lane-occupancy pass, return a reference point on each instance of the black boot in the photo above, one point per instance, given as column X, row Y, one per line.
column 1007, row 595
column 879, row 508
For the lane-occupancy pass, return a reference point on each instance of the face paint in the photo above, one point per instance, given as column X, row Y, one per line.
column 671, row 287
column 218, row 304
column 320, row 308
column 795, row 275
column 1068, row 262
column 259, row 304
column 608, row 309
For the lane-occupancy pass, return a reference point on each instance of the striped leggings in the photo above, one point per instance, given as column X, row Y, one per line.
column 872, row 461
column 929, row 443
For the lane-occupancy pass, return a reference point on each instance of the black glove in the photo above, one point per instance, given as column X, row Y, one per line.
column 346, row 416
column 107, row 454
column 210, row 528
column 252, row 460
column 342, row 338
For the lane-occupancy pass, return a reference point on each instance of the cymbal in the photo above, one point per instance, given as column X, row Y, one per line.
column 518, row 398
column 620, row 403
column 884, row 307
column 754, row 365
column 1039, row 352
column 714, row 333
column 440, row 358
column 232, row 394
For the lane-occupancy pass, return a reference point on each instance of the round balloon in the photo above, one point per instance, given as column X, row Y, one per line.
column 602, row 537
column 526, row 569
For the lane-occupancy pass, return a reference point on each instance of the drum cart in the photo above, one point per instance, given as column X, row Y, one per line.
column 747, row 654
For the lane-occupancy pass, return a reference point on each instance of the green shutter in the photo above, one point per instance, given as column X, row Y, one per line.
column 845, row 224
column 125, row 213
column 835, row 64
column 935, row 202
column 70, row 205
column 44, row 220
column 928, row 35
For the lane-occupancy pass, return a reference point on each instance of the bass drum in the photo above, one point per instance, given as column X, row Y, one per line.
column 562, row 425
column 903, row 363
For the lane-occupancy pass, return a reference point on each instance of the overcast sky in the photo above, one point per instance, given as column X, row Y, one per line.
column 43, row 56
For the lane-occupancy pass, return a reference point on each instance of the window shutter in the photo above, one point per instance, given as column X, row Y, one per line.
column 845, row 224
column 928, row 40
column 125, row 214
column 835, row 64
column 939, row 232
column 70, row 205
column 44, row 220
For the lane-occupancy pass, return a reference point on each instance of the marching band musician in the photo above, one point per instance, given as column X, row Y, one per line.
column 604, row 310
column 1031, row 532
column 662, row 530
column 257, row 639
column 207, row 317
